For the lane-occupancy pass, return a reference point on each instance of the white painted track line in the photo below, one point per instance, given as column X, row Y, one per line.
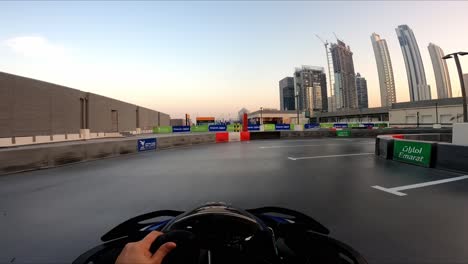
column 396, row 190
column 314, row 145
column 331, row 156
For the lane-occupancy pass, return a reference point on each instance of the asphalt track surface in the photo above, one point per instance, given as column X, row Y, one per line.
column 53, row 215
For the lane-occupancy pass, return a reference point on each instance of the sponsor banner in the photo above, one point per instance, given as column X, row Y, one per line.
column 213, row 128
column 199, row 129
column 282, row 127
column 253, row 127
column 178, row 129
column 417, row 153
column 340, row 125
column 146, row 144
column 269, row 127
column 343, row 133
column 162, row 129
column 326, row 125
column 311, row 125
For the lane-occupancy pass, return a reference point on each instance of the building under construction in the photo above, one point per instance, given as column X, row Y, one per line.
column 345, row 81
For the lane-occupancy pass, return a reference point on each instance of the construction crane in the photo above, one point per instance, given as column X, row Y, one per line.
column 331, row 80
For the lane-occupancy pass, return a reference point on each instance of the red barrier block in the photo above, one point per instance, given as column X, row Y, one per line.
column 399, row 136
column 245, row 136
column 222, row 137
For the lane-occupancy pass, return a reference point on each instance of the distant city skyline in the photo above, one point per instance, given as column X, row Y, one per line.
column 212, row 58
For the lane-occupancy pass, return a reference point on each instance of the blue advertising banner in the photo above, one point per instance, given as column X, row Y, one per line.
column 217, row 128
column 253, row 127
column 312, row 125
column 146, row 144
column 368, row 124
column 176, row 129
column 340, row 125
column 282, row 127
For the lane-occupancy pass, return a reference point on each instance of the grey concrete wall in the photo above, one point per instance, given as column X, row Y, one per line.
column 52, row 155
column 451, row 157
column 31, row 107
column 148, row 118
column 100, row 109
column 165, row 120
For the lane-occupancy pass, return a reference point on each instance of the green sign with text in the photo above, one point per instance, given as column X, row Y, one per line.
column 343, row 133
column 417, row 153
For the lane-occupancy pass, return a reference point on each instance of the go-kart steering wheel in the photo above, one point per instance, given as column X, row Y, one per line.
column 187, row 250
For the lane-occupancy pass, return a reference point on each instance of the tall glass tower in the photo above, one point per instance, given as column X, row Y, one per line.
column 385, row 70
column 444, row 88
column 418, row 88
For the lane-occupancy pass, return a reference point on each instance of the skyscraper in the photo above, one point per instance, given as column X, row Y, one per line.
column 345, row 83
column 361, row 88
column 444, row 88
column 286, row 88
column 385, row 70
column 419, row 90
column 311, row 84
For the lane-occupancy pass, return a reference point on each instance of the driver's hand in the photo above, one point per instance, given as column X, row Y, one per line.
column 138, row 252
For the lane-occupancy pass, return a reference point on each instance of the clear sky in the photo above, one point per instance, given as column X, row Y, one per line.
column 213, row 58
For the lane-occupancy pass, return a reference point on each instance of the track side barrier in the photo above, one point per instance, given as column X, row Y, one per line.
column 244, row 136
column 222, row 137
column 265, row 135
column 234, row 136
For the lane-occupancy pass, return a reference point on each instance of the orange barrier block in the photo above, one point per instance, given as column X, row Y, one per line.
column 245, row 136
column 222, row 137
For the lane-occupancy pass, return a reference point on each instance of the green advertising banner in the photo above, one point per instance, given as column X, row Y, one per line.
column 381, row 125
column 162, row 129
column 417, row 153
column 231, row 128
column 343, row 133
column 326, row 125
column 352, row 125
column 199, row 129
column 269, row 127
column 291, row 126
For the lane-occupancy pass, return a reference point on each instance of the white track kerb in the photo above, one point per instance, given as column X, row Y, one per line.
column 396, row 190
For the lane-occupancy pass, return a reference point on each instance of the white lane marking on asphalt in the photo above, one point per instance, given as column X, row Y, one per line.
column 314, row 145
column 396, row 190
column 332, row 156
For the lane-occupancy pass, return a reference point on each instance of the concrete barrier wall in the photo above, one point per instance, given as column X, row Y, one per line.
column 445, row 156
column 265, row 135
column 384, row 147
column 431, row 137
column 451, row 157
column 52, row 155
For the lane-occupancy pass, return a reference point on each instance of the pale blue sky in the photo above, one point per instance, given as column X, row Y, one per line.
column 212, row 58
